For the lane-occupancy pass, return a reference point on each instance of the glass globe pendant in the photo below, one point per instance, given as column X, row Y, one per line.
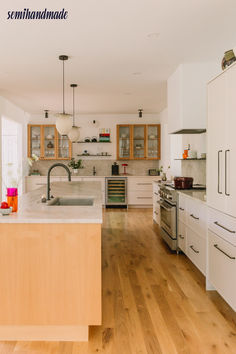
column 74, row 132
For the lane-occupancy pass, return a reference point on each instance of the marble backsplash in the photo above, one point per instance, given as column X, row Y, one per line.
column 103, row 167
column 195, row 169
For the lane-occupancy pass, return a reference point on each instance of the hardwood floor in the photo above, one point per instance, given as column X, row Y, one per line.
column 153, row 300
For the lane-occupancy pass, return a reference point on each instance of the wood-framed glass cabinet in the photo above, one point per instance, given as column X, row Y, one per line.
column 138, row 142
column 45, row 142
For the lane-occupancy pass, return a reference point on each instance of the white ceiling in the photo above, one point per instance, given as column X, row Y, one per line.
column 107, row 41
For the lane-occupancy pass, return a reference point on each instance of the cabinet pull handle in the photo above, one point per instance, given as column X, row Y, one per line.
column 144, row 184
column 193, row 249
column 226, row 174
column 182, row 237
column 182, row 209
column 223, row 227
column 156, row 193
column 194, row 217
column 226, row 254
column 218, row 188
column 144, row 197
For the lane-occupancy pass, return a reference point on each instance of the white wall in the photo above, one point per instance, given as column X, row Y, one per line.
column 173, row 146
column 104, row 121
column 11, row 111
column 165, row 143
column 187, row 95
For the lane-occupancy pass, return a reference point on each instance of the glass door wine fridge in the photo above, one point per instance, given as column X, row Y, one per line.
column 116, row 191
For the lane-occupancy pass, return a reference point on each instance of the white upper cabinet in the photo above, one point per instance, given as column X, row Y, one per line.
column 221, row 168
column 187, row 96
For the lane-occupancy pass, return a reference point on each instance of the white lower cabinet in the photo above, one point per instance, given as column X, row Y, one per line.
column 222, row 267
column 140, row 190
column 192, row 230
column 196, row 217
column 156, row 205
column 196, row 250
column 139, row 198
column 182, row 236
column 182, row 208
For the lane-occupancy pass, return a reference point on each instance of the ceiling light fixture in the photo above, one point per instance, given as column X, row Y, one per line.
column 63, row 122
column 153, row 35
column 74, row 133
column 46, row 113
column 140, row 113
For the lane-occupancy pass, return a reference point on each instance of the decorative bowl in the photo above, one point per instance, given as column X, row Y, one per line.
column 6, row 211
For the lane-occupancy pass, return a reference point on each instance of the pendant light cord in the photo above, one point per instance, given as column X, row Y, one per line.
column 63, row 90
column 73, row 106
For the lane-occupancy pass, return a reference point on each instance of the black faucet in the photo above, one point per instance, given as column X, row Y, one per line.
column 49, row 171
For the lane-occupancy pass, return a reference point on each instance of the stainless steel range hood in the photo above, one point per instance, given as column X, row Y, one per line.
column 189, row 131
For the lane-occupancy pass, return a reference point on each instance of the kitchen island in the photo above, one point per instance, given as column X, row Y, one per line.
column 50, row 266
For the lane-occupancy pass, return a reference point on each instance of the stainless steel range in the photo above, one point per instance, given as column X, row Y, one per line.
column 168, row 215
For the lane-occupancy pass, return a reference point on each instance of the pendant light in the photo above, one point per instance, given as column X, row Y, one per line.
column 63, row 122
column 74, row 133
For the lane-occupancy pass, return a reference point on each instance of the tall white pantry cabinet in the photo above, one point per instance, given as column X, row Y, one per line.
column 221, row 135
column 221, row 184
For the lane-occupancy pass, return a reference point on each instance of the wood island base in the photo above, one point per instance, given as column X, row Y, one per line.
column 50, row 281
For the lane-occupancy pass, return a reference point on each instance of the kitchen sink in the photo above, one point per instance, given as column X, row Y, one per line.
column 70, row 201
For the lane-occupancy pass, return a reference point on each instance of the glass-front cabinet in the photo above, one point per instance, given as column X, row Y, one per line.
column 64, row 147
column 124, row 141
column 49, row 142
column 139, row 146
column 45, row 142
column 138, row 142
column 153, row 141
column 34, row 143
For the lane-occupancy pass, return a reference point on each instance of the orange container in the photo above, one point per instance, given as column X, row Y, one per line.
column 12, row 198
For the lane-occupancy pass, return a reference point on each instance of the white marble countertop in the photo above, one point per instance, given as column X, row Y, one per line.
column 199, row 195
column 31, row 210
column 96, row 176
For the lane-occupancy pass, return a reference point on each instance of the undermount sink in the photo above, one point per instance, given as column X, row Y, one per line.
column 70, row 201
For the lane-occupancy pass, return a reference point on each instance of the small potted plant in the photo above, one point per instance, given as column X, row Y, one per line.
column 163, row 176
column 75, row 165
column 159, row 170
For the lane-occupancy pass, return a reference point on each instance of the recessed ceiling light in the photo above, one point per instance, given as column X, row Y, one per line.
column 153, row 35
column 137, row 73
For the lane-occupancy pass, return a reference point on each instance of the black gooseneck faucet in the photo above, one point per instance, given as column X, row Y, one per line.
column 49, row 172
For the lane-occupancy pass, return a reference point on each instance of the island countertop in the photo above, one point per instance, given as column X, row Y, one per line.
column 199, row 195
column 32, row 210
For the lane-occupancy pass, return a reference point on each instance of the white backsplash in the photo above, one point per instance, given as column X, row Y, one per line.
column 103, row 167
column 195, row 169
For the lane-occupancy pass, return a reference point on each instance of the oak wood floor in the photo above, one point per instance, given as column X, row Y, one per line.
column 153, row 301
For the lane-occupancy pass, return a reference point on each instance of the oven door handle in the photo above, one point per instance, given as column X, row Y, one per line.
column 161, row 205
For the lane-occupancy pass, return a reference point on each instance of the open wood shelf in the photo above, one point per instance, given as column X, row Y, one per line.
column 92, row 142
column 190, row 159
column 93, row 155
